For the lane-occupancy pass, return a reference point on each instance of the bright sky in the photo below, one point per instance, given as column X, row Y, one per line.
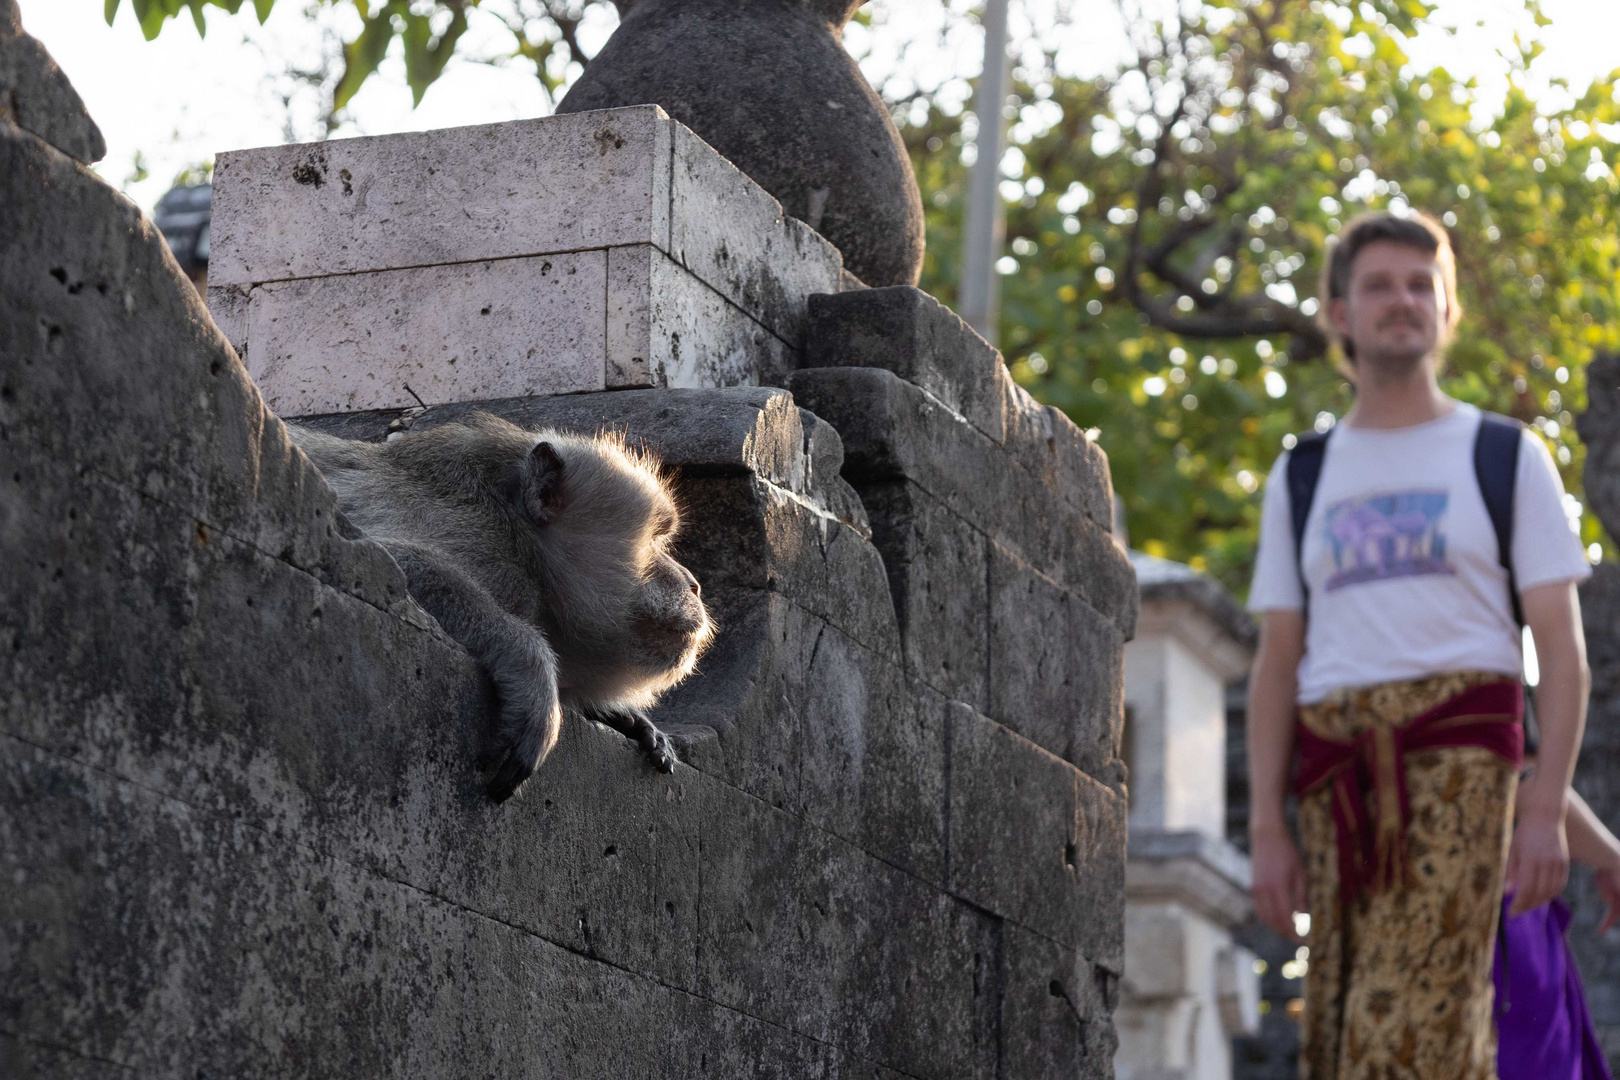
column 178, row 100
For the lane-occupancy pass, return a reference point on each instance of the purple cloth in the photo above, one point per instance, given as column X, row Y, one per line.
column 1543, row 1028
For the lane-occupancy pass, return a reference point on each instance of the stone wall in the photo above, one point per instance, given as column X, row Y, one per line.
column 241, row 830
column 1597, row 774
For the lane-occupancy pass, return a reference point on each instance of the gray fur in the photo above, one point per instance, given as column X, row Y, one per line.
column 545, row 555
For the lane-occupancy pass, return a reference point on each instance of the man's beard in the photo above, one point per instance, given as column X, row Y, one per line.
column 1394, row 362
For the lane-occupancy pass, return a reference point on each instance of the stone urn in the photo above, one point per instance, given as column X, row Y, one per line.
column 769, row 85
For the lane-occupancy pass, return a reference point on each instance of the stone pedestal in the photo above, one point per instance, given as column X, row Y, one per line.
column 1188, row 986
column 594, row 251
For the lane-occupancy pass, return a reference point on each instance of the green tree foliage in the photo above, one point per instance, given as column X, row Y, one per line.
column 543, row 32
column 1166, row 228
column 153, row 14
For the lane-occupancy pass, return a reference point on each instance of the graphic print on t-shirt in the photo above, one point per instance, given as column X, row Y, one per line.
column 1378, row 537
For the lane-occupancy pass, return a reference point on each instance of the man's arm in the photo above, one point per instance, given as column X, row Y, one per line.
column 1278, row 873
column 1538, row 862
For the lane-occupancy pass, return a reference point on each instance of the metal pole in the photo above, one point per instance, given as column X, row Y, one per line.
column 986, row 217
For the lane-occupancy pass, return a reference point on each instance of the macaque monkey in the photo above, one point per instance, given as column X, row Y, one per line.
column 546, row 556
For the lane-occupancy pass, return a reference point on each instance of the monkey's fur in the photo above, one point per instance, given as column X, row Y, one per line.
column 546, row 556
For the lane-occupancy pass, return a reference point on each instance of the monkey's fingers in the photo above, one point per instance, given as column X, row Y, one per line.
column 661, row 750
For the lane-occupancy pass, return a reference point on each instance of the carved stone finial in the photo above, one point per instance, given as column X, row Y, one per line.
column 769, row 85
column 37, row 97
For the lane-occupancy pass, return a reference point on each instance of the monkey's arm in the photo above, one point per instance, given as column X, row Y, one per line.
column 638, row 726
column 516, row 655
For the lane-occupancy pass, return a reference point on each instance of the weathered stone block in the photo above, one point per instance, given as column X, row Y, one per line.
column 111, row 349
column 813, row 559
column 340, row 966
column 1035, row 840
column 813, row 722
column 1055, row 1012
column 803, row 930
column 938, row 570
column 1052, row 448
column 1055, row 666
column 908, row 332
column 437, row 334
column 22, row 1059
column 1599, row 428
column 696, row 336
column 893, row 430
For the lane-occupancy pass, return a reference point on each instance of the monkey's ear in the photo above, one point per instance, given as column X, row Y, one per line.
column 542, row 483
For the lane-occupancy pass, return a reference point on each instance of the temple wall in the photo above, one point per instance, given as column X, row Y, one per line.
column 241, row 832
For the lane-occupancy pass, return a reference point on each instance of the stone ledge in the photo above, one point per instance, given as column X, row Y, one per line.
column 471, row 194
column 1186, row 867
column 733, row 431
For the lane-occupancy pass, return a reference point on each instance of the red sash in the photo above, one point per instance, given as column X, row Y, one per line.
column 1374, row 854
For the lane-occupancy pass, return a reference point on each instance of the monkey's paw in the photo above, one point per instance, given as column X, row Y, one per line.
column 638, row 726
column 661, row 750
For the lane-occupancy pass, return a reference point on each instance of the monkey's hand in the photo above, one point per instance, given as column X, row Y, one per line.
column 515, row 654
column 638, row 726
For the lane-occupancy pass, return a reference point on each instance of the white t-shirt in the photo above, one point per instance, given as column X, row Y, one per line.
column 1402, row 562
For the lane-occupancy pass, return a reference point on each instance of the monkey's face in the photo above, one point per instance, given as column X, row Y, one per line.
column 626, row 619
column 671, row 625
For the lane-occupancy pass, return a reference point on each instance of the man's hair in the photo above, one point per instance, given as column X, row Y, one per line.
column 1415, row 230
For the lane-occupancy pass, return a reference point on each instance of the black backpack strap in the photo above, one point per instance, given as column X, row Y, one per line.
column 1496, row 467
column 1304, row 470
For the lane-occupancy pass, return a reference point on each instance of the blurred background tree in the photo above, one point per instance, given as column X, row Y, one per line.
column 1166, row 227
column 1166, row 221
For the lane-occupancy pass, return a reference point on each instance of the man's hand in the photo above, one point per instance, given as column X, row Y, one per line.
column 1538, row 860
column 1278, row 880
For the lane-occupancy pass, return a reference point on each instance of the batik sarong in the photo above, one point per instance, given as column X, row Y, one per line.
column 1398, row 985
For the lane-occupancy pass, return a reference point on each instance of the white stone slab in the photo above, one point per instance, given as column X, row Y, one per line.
column 699, row 278
column 667, row 328
column 469, row 332
column 742, row 245
column 530, row 187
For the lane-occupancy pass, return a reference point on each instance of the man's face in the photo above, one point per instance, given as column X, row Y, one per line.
column 1395, row 306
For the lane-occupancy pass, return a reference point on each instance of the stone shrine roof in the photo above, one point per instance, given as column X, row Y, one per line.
column 1165, row 581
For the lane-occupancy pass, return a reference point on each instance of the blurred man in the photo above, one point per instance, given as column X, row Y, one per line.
column 1398, row 555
